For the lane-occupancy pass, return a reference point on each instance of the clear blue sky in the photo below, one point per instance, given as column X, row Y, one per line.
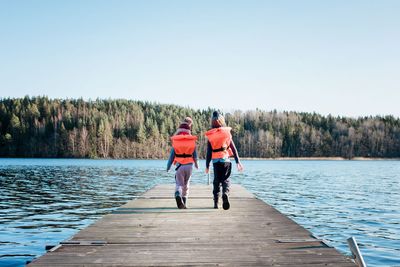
column 340, row 57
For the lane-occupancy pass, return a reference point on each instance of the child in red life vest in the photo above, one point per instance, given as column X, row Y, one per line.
column 219, row 148
column 183, row 155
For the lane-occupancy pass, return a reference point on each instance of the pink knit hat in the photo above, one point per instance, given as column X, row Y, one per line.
column 185, row 126
column 189, row 121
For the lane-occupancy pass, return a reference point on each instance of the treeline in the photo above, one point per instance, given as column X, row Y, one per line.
column 43, row 127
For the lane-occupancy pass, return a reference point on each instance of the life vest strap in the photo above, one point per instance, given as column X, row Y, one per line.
column 183, row 155
column 220, row 149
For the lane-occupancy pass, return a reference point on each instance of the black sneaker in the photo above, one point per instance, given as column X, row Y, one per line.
column 225, row 202
column 215, row 203
column 179, row 202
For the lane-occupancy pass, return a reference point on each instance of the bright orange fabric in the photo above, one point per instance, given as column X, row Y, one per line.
column 220, row 139
column 184, row 146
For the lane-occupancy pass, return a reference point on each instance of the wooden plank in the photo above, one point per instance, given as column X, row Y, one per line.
column 151, row 231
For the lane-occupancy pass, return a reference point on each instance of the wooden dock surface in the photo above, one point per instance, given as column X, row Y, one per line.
column 151, row 231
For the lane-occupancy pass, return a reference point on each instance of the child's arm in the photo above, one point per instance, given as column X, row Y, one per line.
column 236, row 156
column 208, row 157
column 234, row 151
column 196, row 163
column 171, row 159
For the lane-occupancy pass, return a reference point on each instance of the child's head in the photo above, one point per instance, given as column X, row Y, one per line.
column 185, row 126
column 217, row 120
column 189, row 121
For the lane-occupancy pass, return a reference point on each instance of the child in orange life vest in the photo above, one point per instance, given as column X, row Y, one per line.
column 219, row 148
column 183, row 155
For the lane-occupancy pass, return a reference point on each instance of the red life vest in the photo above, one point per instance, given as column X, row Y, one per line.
column 220, row 140
column 184, row 146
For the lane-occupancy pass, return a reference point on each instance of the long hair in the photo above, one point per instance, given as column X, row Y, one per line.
column 217, row 120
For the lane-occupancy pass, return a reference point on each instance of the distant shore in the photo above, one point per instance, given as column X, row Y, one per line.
column 320, row 158
column 242, row 158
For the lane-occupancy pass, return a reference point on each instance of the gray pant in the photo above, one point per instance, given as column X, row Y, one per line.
column 182, row 179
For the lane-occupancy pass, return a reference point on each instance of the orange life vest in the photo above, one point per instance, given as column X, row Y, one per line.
column 220, row 139
column 184, row 146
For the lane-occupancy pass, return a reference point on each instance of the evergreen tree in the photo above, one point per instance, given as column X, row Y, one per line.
column 43, row 127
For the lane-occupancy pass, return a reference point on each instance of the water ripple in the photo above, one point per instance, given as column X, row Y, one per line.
column 336, row 200
column 46, row 201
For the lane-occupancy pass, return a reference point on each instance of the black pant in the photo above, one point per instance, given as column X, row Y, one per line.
column 222, row 171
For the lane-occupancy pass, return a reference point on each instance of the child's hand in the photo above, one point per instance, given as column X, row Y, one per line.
column 207, row 170
column 240, row 167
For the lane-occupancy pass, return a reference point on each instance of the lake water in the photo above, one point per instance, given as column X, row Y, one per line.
column 45, row 201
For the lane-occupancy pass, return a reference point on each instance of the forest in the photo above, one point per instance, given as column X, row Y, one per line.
column 119, row 128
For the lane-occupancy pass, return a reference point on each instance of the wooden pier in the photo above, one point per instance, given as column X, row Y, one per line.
column 151, row 231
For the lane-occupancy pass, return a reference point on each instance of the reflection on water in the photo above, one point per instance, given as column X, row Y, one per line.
column 336, row 200
column 46, row 201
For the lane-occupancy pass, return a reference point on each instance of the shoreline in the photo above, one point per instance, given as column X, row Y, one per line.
column 242, row 158
column 321, row 158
